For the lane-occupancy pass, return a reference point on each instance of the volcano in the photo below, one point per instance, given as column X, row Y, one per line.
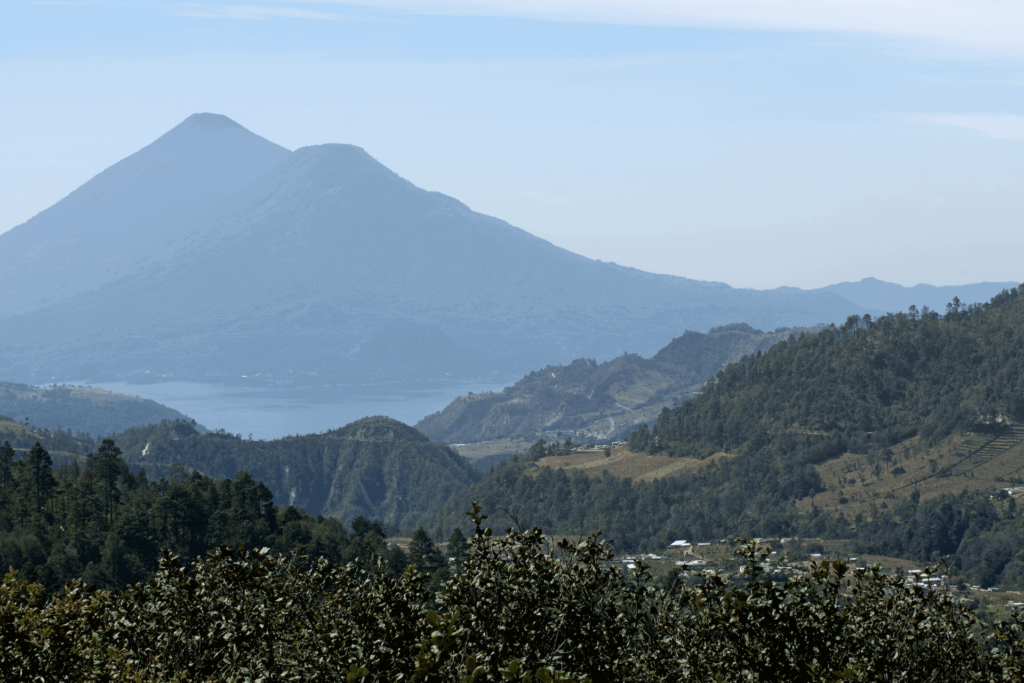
column 214, row 254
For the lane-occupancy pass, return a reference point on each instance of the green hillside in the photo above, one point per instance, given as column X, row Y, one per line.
column 877, row 431
column 587, row 400
column 864, row 385
column 62, row 444
column 376, row 467
column 81, row 409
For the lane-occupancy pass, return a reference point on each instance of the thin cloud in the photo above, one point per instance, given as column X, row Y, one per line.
column 1001, row 126
column 255, row 13
column 987, row 25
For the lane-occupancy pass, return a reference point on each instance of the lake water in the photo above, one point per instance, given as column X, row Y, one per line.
column 273, row 413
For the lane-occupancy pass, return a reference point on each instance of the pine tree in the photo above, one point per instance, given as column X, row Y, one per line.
column 106, row 463
column 423, row 552
column 39, row 470
column 6, row 465
column 457, row 547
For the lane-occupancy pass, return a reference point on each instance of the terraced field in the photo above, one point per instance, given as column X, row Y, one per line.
column 975, row 462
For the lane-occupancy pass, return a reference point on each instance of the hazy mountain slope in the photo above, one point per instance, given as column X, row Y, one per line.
column 132, row 215
column 81, row 409
column 331, row 267
column 880, row 433
column 375, row 467
column 892, row 298
column 589, row 400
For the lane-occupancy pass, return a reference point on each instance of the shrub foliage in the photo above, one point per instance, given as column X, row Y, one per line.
column 517, row 611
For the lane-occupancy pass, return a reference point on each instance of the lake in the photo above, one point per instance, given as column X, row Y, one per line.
column 273, row 413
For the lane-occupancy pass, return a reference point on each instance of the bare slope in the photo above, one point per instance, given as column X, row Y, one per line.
column 622, row 463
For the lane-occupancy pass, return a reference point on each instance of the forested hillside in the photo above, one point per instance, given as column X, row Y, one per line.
column 911, row 379
column 376, row 467
column 863, row 385
column 81, row 409
column 588, row 400
column 92, row 519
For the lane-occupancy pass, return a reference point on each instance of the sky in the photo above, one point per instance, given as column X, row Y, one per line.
column 761, row 144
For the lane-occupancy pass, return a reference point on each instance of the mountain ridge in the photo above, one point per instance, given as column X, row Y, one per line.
column 877, row 294
column 585, row 400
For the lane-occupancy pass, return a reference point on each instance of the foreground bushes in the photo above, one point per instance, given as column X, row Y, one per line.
column 515, row 613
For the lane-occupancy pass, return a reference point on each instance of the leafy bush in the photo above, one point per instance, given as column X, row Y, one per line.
column 517, row 612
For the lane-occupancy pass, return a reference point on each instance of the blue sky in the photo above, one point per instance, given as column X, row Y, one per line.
column 797, row 142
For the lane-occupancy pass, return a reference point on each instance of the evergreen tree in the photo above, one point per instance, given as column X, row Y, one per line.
column 396, row 561
column 457, row 547
column 38, row 468
column 363, row 527
column 106, row 464
column 423, row 552
column 6, row 465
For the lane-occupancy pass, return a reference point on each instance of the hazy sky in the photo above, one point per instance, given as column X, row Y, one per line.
column 790, row 142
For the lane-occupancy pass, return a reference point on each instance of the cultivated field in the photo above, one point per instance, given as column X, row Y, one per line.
column 976, row 462
column 622, row 463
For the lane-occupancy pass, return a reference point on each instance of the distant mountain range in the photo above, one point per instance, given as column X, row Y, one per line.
column 215, row 255
column 586, row 400
column 892, row 298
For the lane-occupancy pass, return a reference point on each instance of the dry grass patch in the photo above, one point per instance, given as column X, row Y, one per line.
column 624, row 464
column 486, row 448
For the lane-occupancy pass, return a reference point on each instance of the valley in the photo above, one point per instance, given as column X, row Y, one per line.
column 848, row 434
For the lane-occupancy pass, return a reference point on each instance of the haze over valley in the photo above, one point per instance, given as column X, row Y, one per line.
column 216, row 257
